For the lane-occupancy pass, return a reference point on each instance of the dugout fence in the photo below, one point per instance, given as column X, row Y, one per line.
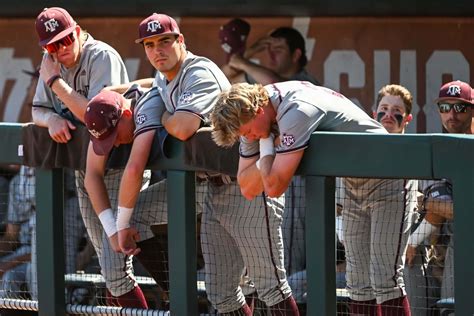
column 329, row 155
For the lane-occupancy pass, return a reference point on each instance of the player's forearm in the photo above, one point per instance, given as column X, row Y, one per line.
column 130, row 186
column 273, row 186
column 434, row 219
column 180, row 125
column 233, row 74
column 250, row 182
column 256, row 47
column 145, row 83
column 439, row 207
column 98, row 195
column 128, row 194
column 74, row 101
column 41, row 116
column 260, row 74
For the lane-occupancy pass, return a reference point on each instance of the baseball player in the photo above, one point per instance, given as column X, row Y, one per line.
column 394, row 104
column 286, row 55
column 286, row 58
column 75, row 67
column 295, row 109
column 455, row 105
column 189, row 85
column 113, row 120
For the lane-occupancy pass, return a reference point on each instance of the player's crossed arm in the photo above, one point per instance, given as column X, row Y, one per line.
column 277, row 177
column 271, row 174
column 249, row 179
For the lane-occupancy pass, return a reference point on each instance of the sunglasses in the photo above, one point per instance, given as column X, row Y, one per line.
column 65, row 41
column 458, row 107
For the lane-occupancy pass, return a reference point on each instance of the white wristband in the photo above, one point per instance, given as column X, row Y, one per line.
column 124, row 214
column 267, row 147
column 107, row 219
column 257, row 164
column 421, row 233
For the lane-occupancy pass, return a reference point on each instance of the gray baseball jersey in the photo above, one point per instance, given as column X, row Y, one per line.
column 303, row 108
column 99, row 66
column 147, row 111
column 195, row 87
column 227, row 215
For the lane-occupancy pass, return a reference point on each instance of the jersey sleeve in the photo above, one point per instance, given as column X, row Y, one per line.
column 148, row 112
column 43, row 96
column 248, row 148
column 106, row 69
column 200, row 90
column 296, row 126
column 439, row 190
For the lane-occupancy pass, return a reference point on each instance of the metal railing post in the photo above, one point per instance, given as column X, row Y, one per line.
column 49, row 239
column 320, row 245
column 182, row 242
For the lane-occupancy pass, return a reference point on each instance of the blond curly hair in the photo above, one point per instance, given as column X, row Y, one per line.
column 233, row 108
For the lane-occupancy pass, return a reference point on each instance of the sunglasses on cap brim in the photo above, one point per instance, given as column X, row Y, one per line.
column 458, row 107
column 65, row 41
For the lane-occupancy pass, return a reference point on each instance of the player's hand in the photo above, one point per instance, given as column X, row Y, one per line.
column 236, row 61
column 410, row 255
column 128, row 238
column 50, row 67
column 260, row 45
column 59, row 128
column 113, row 240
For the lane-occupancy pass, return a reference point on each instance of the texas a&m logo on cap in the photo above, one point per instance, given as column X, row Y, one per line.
column 51, row 25
column 157, row 24
column 153, row 26
column 457, row 90
column 97, row 133
column 454, row 90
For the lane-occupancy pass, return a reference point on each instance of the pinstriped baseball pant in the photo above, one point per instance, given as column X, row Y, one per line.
column 235, row 234
column 376, row 220
column 238, row 235
column 116, row 268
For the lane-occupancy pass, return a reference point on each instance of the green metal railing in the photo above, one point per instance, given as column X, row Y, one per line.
column 384, row 156
column 329, row 155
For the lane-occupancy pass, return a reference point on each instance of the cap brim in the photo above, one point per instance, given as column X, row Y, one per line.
column 453, row 98
column 103, row 147
column 58, row 36
column 139, row 40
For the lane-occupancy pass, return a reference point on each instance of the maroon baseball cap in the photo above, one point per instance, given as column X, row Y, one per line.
column 52, row 24
column 103, row 113
column 457, row 90
column 157, row 24
column 233, row 36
